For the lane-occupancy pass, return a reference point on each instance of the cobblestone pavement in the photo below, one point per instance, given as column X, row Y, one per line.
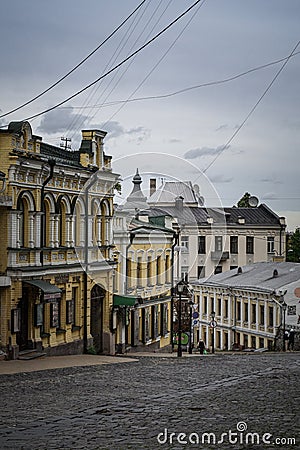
column 246, row 401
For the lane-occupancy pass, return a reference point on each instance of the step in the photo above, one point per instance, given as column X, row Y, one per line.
column 26, row 355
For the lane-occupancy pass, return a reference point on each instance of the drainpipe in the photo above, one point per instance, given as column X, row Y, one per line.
column 86, row 261
column 51, row 163
column 176, row 242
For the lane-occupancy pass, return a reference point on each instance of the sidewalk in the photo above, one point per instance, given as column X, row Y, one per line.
column 58, row 362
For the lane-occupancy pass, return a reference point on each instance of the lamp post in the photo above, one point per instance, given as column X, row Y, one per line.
column 191, row 303
column 213, row 314
column 284, row 306
column 180, row 287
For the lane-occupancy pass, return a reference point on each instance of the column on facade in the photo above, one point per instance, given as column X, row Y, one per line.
column 52, row 230
column 31, row 229
column 68, row 229
column 82, row 230
column 98, row 229
column 266, row 315
column 56, row 229
column 16, row 222
column 72, row 231
column 257, row 314
column 107, row 230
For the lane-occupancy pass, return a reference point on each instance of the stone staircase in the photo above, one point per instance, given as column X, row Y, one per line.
column 30, row 354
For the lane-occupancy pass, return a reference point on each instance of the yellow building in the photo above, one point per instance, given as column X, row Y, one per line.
column 56, row 260
column 144, row 276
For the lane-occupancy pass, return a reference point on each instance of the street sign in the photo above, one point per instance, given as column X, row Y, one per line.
column 213, row 324
column 195, row 322
column 195, row 315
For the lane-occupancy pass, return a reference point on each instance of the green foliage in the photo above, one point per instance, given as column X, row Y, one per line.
column 244, row 201
column 293, row 246
column 118, row 187
column 91, row 350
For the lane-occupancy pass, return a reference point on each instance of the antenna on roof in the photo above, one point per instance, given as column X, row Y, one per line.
column 65, row 144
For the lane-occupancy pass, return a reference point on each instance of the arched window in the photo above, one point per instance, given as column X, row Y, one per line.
column 25, row 222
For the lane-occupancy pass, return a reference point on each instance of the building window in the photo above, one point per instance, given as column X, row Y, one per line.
column 253, row 314
column 201, row 245
column 158, row 270
column 218, row 243
column 71, row 307
column 55, row 314
column 185, row 241
column 246, row 317
column 262, row 314
column 270, row 245
column 168, row 269
column 234, row 248
column 249, row 244
column 238, row 311
column 185, row 273
column 201, row 271
column 139, row 273
column 219, row 302
column 271, row 316
column 226, row 308
column 149, row 270
column 218, row 269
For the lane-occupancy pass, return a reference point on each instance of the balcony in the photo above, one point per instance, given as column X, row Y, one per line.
column 219, row 256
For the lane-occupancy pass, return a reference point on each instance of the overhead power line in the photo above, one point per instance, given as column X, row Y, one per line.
column 189, row 88
column 76, row 67
column 225, row 146
column 118, row 65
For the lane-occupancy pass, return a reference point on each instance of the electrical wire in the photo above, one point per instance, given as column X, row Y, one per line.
column 118, row 65
column 76, row 67
column 225, row 146
column 124, row 39
column 189, row 88
column 158, row 62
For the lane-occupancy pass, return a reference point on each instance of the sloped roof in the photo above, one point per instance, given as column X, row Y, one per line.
column 257, row 276
column 170, row 190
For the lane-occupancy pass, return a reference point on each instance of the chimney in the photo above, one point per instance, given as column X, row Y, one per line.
column 152, row 185
column 179, row 203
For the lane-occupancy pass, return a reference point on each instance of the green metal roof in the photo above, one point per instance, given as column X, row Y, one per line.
column 124, row 300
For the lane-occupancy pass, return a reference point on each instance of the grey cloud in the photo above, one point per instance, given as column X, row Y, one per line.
column 61, row 121
column 220, row 178
column 198, row 152
column 269, row 196
column 271, row 179
column 115, row 130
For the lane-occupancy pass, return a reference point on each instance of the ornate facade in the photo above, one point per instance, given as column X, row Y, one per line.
column 56, row 259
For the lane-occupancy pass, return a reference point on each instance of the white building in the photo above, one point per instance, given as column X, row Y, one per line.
column 214, row 240
column 246, row 304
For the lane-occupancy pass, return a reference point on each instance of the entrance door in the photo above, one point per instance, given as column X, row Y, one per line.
column 22, row 335
column 97, row 299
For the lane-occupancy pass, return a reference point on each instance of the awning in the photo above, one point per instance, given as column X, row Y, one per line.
column 50, row 291
column 124, row 300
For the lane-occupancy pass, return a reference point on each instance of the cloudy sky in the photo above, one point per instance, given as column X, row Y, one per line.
column 214, row 100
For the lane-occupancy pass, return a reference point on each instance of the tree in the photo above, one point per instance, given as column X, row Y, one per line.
column 293, row 246
column 244, row 201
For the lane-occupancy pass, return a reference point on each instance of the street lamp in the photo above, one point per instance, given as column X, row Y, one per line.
column 284, row 306
column 191, row 304
column 213, row 314
column 180, row 287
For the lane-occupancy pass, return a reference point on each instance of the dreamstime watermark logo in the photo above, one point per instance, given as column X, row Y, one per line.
column 240, row 436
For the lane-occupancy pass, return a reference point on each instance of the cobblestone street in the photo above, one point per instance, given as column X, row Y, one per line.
column 139, row 405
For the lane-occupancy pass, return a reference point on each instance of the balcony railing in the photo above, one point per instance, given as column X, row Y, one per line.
column 219, row 256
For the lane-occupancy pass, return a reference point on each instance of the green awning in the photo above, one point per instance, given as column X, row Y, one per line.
column 124, row 300
column 50, row 291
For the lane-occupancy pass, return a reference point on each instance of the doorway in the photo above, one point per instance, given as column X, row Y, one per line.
column 97, row 300
column 22, row 334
